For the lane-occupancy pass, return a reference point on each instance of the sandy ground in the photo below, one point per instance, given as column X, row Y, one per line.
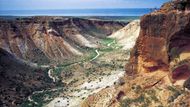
column 76, row 97
column 127, row 36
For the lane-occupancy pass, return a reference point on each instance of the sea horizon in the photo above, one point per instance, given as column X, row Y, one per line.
column 79, row 12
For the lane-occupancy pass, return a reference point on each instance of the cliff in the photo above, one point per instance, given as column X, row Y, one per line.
column 159, row 66
column 29, row 47
column 164, row 42
column 48, row 39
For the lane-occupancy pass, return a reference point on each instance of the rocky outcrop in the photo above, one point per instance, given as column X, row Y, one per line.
column 163, row 48
column 53, row 39
column 164, row 41
column 158, row 71
column 30, row 45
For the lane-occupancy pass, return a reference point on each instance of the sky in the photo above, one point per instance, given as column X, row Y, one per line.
column 77, row 4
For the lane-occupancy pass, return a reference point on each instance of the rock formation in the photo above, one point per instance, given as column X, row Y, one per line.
column 159, row 67
column 53, row 39
column 28, row 46
column 164, row 41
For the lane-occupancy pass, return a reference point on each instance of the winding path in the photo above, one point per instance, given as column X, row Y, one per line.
column 98, row 54
column 50, row 71
column 84, row 93
column 50, row 75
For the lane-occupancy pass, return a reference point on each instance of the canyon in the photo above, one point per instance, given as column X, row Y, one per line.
column 56, row 61
column 44, row 58
column 53, row 39
column 157, row 74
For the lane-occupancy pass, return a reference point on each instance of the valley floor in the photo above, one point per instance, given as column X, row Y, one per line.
column 82, row 76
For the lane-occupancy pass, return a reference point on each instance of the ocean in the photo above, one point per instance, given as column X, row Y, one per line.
column 78, row 12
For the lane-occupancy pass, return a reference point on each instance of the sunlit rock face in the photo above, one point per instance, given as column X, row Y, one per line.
column 158, row 69
column 162, row 48
column 127, row 36
column 53, row 39
column 29, row 46
column 164, row 39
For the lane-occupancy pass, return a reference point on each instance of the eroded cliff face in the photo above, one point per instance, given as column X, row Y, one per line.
column 164, row 42
column 159, row 67
column 53, row 39
column 29, row 46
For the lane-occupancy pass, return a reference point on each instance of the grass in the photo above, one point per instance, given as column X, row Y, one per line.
column 113, row 45
column 106, row 41
column 66, row 67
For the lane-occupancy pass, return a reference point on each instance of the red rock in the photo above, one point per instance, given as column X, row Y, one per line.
column 181, row 72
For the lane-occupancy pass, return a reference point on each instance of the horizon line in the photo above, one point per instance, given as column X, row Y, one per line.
column 75, row 9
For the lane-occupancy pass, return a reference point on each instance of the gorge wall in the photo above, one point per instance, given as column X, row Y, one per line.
column 158, row 72
column 164, row 41
column 30, row 45
column 53, row 39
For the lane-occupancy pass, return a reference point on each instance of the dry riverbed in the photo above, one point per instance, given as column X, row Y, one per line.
column 80, row 92
column 102, row 68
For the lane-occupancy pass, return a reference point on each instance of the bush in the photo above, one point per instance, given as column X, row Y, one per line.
column 187, row 84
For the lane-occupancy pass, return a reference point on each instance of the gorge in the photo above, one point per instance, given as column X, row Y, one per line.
column 157, row 74
column 60, row 57
column 55, row 61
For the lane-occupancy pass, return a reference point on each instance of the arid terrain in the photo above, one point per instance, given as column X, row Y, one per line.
column 53, row 61
column 158, row 71
column 61, row 59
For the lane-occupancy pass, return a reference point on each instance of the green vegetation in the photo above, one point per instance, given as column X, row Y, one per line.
column 187, row 84
column 174, row 54
column 89, row 71
column 144, row 100
column 73, row 81
column 39, row 99
column 85, row 66
column 66, row 67
column 57, row 71
column 175, row 93
column 137, row 88
column 106, row 41
column 109, row 45
column 172, row 88
column 127, row 102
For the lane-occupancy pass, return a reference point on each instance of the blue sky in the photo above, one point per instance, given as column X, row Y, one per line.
column 77, row 4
